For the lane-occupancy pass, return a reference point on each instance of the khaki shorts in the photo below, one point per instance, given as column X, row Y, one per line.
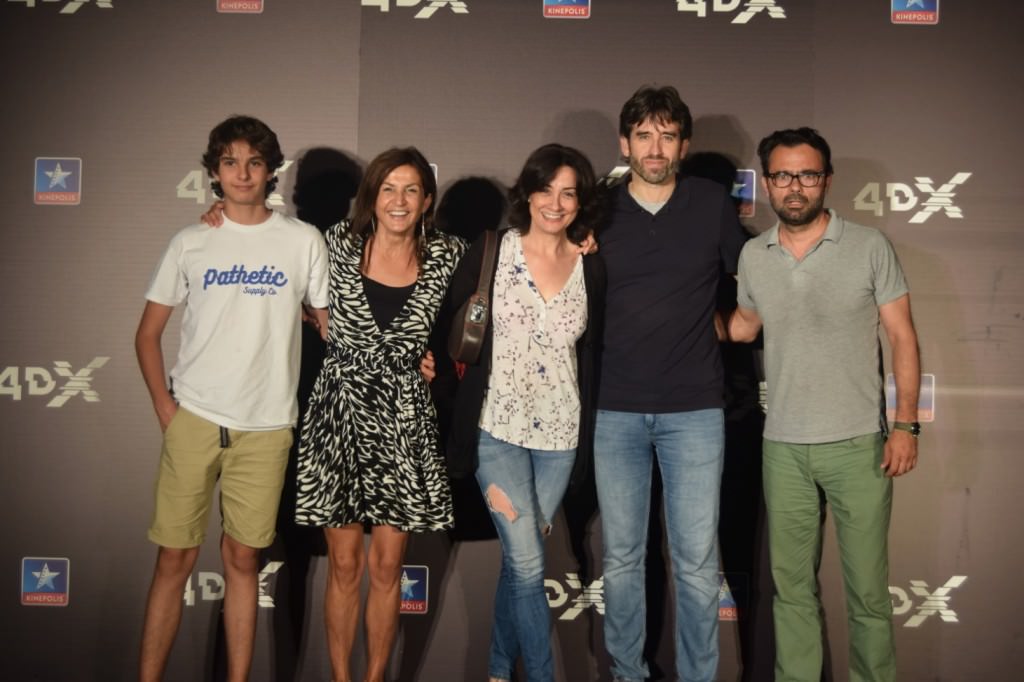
column 251, row 471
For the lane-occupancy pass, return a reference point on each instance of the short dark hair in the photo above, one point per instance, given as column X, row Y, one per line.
column 376, row 173
column 794, row 137
column 538, row 172
column 662, row 104
column 253, row 131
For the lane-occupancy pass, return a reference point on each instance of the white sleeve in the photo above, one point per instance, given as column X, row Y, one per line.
column 316, row 295
column 169, row 285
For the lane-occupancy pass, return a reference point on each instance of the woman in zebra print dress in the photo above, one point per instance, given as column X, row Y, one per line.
column 369, row 448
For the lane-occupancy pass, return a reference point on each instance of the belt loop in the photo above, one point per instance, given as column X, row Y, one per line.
column 225, row 440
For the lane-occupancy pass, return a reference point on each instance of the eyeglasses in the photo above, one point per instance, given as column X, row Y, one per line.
column 806, row 178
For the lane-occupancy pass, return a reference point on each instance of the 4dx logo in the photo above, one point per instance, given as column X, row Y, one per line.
column 70, row 6
column 210, row 586
column 456, row 6
column 903, row 198
column 933, row 602
column 39, row 381
column 750, row 8
column 587, row 596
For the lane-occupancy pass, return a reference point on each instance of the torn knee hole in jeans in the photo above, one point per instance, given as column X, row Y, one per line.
column 499, row 503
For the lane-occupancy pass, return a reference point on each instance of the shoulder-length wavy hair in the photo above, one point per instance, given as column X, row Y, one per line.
column 538, row 172
column 363, row 219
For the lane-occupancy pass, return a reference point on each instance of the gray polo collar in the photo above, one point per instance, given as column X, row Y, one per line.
column 833, row 231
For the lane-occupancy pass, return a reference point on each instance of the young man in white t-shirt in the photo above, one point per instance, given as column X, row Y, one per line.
column 231, row 404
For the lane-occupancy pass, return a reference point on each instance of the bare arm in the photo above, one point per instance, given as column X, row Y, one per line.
column 151, row 359
column 316, row 318
column 744, row 324
column 901, row 448
column 321, row 321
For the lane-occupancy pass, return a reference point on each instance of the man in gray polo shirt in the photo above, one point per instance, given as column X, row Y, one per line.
column 820, row 285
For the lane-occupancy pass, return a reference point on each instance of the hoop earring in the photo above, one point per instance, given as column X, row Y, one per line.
column 373, row 225
column 423, row 225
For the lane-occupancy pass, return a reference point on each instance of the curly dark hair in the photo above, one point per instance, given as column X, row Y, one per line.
column 253, row 131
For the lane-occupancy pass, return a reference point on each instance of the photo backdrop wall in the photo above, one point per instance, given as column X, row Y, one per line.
column 106, row 109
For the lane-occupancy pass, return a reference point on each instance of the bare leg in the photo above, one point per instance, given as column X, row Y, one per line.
column 387, row 548
column 241, row 592
column 163, row 609
column 341, row 602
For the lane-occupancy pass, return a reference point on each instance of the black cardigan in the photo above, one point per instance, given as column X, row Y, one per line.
column 463, row 438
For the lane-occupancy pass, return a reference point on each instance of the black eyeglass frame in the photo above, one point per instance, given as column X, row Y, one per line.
column 805, row 178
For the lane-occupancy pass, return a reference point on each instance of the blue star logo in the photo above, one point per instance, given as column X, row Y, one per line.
column 58, row 176
column 45, row 577
column 406, row 585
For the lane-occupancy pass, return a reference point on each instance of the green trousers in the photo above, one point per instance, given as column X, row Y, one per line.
column 860, row 495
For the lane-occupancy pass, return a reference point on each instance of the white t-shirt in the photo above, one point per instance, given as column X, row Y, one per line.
column 243, row 285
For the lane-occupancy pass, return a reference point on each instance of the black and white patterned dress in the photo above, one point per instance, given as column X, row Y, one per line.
column 369, row 449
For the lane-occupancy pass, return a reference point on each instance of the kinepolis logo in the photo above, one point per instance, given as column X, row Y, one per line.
column 70, row 6
column 750, row 8
column 584, row 596
column 240, row 6
column 195, row 183
column 39, row 381
column 456, row 6
column 567, row 9
column 902, row 197
column 211, row 586
column 933, row 602
column 915, row 12
column 58, row 180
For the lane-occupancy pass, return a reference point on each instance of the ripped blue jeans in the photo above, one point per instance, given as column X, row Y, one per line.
column 523, row 489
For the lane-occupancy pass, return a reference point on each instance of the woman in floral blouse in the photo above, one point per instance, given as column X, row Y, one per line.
column 524, row 415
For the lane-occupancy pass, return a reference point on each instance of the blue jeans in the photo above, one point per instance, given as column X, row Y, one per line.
column 689, row 448
column 523, row 489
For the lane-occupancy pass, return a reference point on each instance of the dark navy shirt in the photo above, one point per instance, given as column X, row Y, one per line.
column 660, row 353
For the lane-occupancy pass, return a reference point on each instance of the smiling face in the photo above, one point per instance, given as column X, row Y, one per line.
column 797, row 206
column 243, row 175
column 401, row 201
column 654, row 149
column 556, row 205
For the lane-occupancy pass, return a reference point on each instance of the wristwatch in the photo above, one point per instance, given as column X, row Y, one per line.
column 913, row 428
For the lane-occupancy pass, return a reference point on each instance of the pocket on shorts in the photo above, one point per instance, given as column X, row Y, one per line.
column 174, row 420
column 177, row 423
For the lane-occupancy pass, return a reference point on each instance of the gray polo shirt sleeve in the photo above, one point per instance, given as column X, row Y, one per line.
column 890, row 283
column 743, row 295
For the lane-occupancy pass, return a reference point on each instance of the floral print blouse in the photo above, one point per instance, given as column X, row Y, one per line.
column 532, row 398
